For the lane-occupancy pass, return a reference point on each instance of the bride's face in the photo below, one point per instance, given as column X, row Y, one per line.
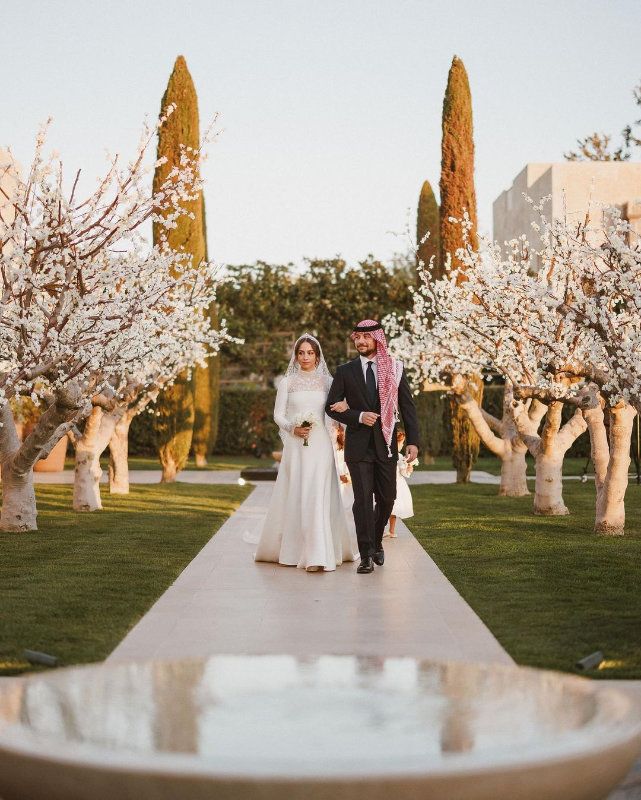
column 306, row 357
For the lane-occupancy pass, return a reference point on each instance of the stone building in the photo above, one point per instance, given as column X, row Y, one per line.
column 571, row 184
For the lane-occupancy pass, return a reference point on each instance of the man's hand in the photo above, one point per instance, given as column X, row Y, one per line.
column 369, row 418
column 411, row 452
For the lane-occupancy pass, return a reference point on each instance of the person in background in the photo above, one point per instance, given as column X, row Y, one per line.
column 403, row 506
column 347, row 492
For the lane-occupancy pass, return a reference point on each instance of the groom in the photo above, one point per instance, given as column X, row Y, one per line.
column 375, row 388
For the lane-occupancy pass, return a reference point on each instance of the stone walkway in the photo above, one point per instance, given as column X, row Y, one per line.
column 224, row 602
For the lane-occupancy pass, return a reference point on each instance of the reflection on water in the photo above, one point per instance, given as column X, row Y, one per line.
column 336, row 711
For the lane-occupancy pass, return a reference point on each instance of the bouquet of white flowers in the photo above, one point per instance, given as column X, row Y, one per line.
column 307, row 420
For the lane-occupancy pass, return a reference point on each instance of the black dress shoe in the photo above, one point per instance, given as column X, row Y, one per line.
column 365, row 567
column 379, row 557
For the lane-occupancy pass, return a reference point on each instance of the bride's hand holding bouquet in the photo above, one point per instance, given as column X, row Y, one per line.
column 303, row 425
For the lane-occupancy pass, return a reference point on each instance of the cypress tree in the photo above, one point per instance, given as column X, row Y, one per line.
column 427, row 221
column 430, row 407
column 458, row 195
column 174, row 421
column 457, row 163
column 206, row 389
column 213, row 365
column 214, row 386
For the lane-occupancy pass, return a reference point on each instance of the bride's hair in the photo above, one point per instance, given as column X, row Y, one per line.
column 313, row 344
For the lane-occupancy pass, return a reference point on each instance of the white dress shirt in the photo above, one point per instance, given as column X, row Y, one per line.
column 364, row 362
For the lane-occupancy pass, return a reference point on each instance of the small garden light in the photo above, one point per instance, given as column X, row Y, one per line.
column 589, row 662
column 36, row 657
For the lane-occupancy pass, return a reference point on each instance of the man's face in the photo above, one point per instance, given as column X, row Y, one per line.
column 365, row 343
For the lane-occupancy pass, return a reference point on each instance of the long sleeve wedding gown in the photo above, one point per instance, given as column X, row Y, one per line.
column 306, row 524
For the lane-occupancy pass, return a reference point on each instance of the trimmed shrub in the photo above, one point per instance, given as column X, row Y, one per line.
column 247, row 422
column 431, row 409
column 247, row 425
column 142, row 437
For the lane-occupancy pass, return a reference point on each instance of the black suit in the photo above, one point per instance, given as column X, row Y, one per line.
column 372, row 469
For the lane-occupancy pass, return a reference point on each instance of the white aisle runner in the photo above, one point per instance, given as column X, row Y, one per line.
column 224, row 602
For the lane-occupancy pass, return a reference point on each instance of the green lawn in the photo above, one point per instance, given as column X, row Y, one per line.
column 75, row 587
column 215, row 463
column 549, row 589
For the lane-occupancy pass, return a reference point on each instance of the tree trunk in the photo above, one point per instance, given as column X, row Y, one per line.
column 19, row 511
column 19, row 502
column 98, row 431
column 173, row 424
column 202, row 414
column 599, row 447
column 610, row 504
column 548, row 485
column 465, row 440
column 86, row 484
column 513, row 473
column 502, row 439
column 169, row 469
column 549, row 450
column 464, row 443
column 119, row 456
column 18, row 496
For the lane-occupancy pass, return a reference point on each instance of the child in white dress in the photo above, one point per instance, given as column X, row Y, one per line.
column 347, row 492
column 403, row 506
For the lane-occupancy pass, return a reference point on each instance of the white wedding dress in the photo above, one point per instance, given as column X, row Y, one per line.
column 306, row 524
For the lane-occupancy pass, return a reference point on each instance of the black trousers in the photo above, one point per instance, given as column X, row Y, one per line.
column 374, row 485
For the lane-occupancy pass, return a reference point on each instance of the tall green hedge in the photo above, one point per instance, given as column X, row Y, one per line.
column 432, row 430
column 247, row 426
column 247, row 422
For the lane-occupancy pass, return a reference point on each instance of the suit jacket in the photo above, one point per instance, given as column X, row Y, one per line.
column 349, row 383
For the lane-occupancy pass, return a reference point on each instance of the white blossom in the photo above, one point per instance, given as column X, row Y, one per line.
column 85, row 297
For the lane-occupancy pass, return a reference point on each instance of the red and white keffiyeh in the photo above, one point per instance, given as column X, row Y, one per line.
column 389, row 375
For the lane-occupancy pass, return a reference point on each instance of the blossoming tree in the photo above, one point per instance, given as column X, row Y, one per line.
column 179, row 337
column 563, row 329
column 437, row 355
column 600, row 261
column 493, row 317
column 82, row 299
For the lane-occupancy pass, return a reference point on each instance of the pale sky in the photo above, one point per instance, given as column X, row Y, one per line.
column 331, row 109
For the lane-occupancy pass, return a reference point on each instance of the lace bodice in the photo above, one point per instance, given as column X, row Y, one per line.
column 308, row 382
column 292, row 398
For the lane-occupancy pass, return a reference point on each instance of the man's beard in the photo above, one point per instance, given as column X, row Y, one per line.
column 368, row 353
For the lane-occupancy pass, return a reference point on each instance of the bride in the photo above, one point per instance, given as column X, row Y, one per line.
column 306, row 524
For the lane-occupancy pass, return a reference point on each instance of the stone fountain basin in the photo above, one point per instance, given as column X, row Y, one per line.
column 339, row 727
